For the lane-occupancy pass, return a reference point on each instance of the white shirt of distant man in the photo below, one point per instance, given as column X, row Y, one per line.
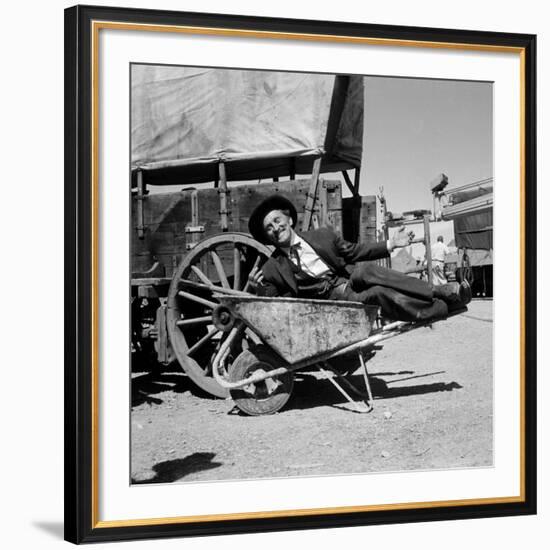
column 439, row 251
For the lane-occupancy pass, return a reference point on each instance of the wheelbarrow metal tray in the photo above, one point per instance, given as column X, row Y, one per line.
column 298, row 328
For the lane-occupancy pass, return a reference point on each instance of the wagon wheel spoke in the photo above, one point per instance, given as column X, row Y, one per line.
column 198, row 272
column 198, row 299
column 219, row 269
column 206, row 338
column 193, row 321
column 236, row 268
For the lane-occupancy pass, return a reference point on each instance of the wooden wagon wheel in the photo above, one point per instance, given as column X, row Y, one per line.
column 222, row 261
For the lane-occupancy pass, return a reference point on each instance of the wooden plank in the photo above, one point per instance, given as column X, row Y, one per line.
column 235, row 222
column 194, row 238
column 223, row 197
column 165, row 218
column 209, row 212
column 322, row 206
column 164, row 208
column 147, row 291
column 163, row 241
column 312, row 195
column 347, row 179
column 153, row 281
column 367, row 220
column 140, row 198
column 248, row 197
column 314, row 223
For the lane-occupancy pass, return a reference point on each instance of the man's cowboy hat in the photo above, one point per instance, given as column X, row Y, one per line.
column 274, row 202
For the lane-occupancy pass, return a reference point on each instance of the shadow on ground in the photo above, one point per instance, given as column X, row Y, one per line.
column 404, row 391
column 147, row 387
column 174, row 470
column 310, row 392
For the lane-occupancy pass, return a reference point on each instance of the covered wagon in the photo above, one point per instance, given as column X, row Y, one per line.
column 207, row 146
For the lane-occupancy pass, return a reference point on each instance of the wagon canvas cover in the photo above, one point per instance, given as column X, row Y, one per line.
column 185, row 120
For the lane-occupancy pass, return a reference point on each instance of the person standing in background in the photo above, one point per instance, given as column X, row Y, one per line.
column 439, row 251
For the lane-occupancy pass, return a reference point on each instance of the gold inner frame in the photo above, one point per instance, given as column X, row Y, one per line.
column 96, row 27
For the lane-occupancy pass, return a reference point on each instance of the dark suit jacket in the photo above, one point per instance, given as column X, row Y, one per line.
column 338, row 254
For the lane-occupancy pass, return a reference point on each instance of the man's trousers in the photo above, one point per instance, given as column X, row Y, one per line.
column 399, row 296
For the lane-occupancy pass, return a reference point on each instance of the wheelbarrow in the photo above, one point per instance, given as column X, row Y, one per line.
column 293, row 334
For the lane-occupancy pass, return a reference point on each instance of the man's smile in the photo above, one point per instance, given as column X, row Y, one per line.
column 278, row 228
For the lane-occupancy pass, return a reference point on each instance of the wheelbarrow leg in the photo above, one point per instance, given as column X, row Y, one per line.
column 360, row 407
column 369, row 400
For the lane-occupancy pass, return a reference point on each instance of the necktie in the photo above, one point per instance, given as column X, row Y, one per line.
column 295, row 253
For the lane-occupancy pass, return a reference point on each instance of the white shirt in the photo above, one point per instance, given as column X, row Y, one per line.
column 439, row 250
column 309, row 261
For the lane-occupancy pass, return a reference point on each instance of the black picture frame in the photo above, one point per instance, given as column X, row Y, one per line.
column 80, row 494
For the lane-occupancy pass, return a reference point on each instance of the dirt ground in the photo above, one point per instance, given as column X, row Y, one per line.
column 433, row 409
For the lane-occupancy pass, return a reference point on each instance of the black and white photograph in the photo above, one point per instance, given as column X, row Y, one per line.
column 311, row 286
column 274, row 275
column 297, row 310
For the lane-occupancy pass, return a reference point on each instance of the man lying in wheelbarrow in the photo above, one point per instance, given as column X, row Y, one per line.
column 320, row 264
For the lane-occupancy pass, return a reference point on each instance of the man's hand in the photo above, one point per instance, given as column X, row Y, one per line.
column 400, row 239
column 255, row 278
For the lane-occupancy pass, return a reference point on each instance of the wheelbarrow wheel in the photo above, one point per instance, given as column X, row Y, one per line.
column 267, row 396
column 221, row 261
